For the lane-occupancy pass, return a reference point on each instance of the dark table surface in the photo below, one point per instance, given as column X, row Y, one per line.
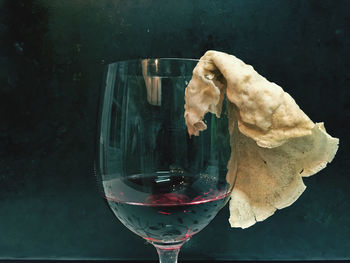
column 52, row 56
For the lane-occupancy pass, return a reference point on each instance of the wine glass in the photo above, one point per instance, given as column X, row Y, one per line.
column 162, row 184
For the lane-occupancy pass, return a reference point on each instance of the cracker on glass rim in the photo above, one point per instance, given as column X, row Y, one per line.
column 273, row 142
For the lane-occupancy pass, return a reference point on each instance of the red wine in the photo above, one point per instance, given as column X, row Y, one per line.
column 165, row 207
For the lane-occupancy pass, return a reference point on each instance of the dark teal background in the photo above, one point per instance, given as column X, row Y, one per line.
column 52, row 55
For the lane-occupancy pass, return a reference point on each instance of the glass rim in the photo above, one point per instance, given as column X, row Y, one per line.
column 127, row 61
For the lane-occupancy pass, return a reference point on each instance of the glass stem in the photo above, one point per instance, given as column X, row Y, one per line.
column 168, row 254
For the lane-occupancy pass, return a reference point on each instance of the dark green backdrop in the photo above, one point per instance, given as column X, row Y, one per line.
column 52, row 55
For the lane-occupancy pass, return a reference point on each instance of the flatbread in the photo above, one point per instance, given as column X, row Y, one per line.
column 273, row 142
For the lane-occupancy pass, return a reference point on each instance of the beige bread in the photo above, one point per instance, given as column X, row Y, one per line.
column 273, row 142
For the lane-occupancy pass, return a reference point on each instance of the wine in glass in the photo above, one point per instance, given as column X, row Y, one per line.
column 162, row 184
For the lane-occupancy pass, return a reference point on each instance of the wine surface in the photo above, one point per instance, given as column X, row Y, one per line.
column 165, row 207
